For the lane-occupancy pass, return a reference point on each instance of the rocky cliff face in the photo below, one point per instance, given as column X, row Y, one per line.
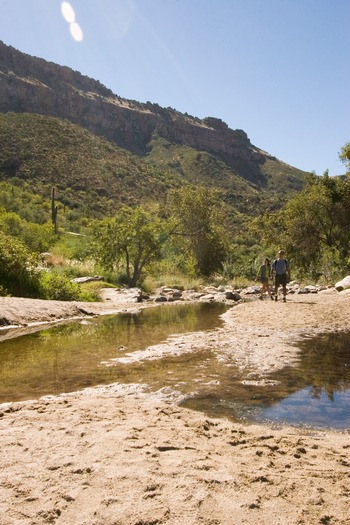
column 30, row 84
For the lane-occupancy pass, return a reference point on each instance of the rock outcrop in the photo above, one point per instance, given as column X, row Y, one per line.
column 33, row 85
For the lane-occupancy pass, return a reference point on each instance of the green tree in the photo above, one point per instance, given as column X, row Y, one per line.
column 18, row 273
column 345, row 156
column 309, row 225
column 134, row 238
column 270, row 229
column 37, row 237
column 199, row 224
column 314, row 226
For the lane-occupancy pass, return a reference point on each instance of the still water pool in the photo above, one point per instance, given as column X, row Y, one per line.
column 68, row 357
column 72, row 356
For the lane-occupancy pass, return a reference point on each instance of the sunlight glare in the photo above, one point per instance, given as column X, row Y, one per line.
column 68, row 12
column 76, row 32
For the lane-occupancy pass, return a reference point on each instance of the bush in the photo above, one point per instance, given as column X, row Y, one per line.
column 18, row 268
column 78, row 247
column 57, row 287
column 92, row 291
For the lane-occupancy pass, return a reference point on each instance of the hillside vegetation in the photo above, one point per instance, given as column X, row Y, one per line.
column 145, row 195
column 94, row 176
column 175, row 211
column 205, row 150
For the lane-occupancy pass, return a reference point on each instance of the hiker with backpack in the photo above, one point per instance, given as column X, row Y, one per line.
column 281, row 273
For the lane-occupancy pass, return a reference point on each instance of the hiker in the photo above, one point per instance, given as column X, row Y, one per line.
column 263, row 276
column 281, row 272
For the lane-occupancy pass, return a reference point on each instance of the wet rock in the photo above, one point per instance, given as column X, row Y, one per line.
column 233, row 296
column 160, row 299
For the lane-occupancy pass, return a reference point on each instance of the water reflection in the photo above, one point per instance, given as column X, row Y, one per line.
column 65, row 358
column 323, row 376
column 325, row 363
column 316, row 392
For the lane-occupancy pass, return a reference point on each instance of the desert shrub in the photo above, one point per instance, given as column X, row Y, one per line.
column 18, row 268
column 37, row 237
column 74, row 268
column 91, row 291
column 77, row 247
column 177, row 280
column 3, row 291
column 57, row 287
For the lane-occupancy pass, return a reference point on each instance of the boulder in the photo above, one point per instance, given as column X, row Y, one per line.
column 311, row 289
column 251, row 290
column 233, row 296
column 207, row 298
column 343, row 284
column 161, row 299
column 81, row 280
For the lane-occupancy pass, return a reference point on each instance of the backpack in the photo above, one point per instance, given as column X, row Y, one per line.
column 286, row 262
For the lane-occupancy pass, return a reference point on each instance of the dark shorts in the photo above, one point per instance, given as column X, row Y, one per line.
column 264, row 280
column 280, row 279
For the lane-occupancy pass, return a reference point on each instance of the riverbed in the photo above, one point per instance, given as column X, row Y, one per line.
column 121, row 454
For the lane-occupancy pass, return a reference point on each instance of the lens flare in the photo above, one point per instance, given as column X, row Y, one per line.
column 76, row 32
column 68, row 12
column 69, row 16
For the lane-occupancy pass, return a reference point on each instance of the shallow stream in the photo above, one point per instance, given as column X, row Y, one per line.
column 75, row 355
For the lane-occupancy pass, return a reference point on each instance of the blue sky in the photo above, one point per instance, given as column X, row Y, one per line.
column 278, row 69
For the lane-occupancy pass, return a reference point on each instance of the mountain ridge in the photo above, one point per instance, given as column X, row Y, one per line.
column 33, row 85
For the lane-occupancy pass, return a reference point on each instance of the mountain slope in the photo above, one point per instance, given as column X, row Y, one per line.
column 93, row 176
column 158, row 135
column 89, row 172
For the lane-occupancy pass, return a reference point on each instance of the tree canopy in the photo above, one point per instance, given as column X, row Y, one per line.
column 132, row 238
column 345, row 156
column 18, row 274
column 314, row 226
column 191, row 234
column 199, row 223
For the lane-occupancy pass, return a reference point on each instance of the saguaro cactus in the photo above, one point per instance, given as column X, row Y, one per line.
column 54, row 210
